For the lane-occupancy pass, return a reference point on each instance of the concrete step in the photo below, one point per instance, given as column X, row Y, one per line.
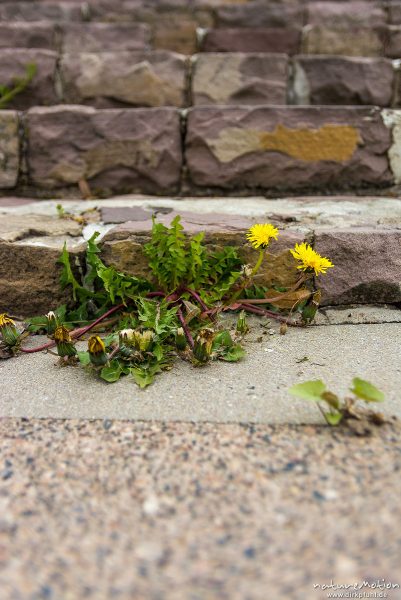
column 362, row 237
column 254, row 390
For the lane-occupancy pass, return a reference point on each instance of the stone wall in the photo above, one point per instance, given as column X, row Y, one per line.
column 167, row 150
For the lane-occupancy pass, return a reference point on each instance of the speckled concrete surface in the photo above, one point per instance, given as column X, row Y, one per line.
column 154, row 511
column 253, row 390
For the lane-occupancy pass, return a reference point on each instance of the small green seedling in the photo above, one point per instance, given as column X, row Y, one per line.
column 337, row 410
column 7, row 94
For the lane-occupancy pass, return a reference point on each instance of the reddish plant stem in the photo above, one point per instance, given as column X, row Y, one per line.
column 197, row 297
column 76, row 333
column 266, row 313
column 185, row 328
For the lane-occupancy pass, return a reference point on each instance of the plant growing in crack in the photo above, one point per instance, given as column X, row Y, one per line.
column 7, row 94
column 348, row 410
column 175, row 312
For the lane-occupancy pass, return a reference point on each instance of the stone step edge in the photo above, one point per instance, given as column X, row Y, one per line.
column 366, row 257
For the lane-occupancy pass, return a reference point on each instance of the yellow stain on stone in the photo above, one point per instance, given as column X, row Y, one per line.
column 330, row 142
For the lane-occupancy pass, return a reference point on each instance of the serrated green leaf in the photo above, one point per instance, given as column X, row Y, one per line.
column 84, row 358
column 233, row 354
column 112, row 372
column 309, row 390
column 367, row 391
column 333, row 418
column 142, row 377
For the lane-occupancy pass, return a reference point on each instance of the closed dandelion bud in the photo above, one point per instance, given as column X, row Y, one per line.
column 283, row 328
column 8, row 331
column 97, row 351
column 51, row 323
column 204, row 345
column 242, row 325
column 180, row 339
column 145, row 340
column 126, row 337
column 64, row 343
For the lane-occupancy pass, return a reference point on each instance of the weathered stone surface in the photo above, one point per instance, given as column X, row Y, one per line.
column 394, row 12
column 339, row 80
column 37, row 11
column 123, row 245
column 359, row 41
column 9, row 148
column 260, row 14
column 30, row 279
column 176, row 34
column 102, row 37
column 342, row 15
column 239, row 79
column 18, row 227
column 139, row 79
column 114, row 150
column 40, row 91
column 361, row 275
column 293, row 147
column 277, row 39
column 392, row 45
column 28, row 35
column 110, row 214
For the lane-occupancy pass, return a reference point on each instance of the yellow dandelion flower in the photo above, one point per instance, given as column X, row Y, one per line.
column 5, row 320
column 310, row 260
column 96, row 345
column 62, row 334
column 260, row 235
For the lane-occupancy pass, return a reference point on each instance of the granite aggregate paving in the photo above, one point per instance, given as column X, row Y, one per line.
column 133, row 510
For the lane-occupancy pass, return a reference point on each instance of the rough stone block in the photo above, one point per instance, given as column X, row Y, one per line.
column 392, row 45
column 260, row 14
column 360, row 275
column 339, row 80
column 28, row 35
column 38, row 11
column 277, row 39
column 139, row 79
column 394, row 12
column 105, row 37
column 240, row 78
column 32, row 286
column 9, row 148
column 287, row 148
column 354, row 41
column 41, row 90
column 343, row 15
column 114, row 150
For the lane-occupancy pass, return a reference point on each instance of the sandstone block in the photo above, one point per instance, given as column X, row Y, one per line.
column 340, row 80
column 354, row 41
column 28, row 35
column 277, row 39
column 343, row 15
column 40, row 91
column 105, row 37
column 287, row 148
column 32, row 285
column 240, row 78
column 38, row 11
column 394, row 12
column 9, row 148
column 114, row 150
column 392, row 45
column 260, row 14
column 139, row 79
column 360, row 274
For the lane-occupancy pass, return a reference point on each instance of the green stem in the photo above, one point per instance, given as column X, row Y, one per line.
column 258, row 262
